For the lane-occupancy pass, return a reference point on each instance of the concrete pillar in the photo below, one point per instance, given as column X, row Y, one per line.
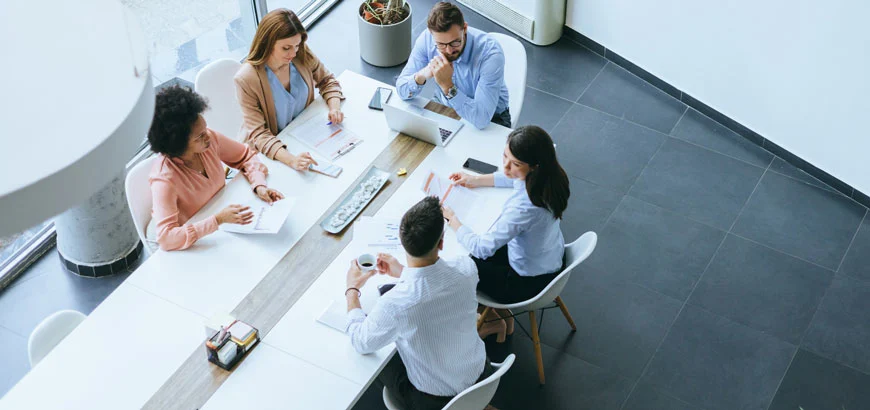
column 98, row 238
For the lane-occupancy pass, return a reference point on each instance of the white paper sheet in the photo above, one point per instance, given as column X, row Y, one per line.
column 460, row 199
column 267, row 218
column 379, row 235
column 327, row 139
column 335, row 314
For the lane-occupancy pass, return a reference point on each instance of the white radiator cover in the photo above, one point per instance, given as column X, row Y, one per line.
column 538, row 21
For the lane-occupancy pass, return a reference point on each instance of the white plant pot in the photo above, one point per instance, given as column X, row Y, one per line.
column 385, row 46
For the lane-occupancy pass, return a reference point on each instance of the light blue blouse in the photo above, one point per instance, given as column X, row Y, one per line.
column 532, row 234
column 288, row 104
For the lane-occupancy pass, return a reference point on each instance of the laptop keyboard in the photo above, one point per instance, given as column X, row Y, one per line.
column 444, row 134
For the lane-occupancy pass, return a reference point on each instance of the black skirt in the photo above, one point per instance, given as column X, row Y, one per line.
column 502, row 283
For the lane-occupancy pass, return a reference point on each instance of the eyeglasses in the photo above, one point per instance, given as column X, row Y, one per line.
column 452, row 44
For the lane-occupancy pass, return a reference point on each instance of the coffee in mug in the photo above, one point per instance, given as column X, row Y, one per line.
column 367, row 261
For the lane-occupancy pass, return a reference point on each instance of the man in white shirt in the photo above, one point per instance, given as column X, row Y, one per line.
column 431, row 316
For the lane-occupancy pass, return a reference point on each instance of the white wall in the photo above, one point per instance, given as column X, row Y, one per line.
column 796, row 72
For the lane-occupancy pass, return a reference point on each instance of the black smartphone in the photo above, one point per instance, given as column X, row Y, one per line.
column 382, row 95
column 479, row 166
column 385, row 288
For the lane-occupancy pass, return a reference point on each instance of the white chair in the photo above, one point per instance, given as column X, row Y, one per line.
column 139, row 199
column 576, row 252
column 51, row 331
column 215, row 82
column 475, row 397
column 515, row 65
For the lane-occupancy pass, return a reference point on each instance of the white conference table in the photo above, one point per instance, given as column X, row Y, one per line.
column 301, row 337
column 136, row 339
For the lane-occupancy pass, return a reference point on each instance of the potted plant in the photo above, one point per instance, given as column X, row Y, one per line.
column 385, row 32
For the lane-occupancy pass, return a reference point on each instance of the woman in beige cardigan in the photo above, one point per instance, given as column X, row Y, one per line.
column 277, row 82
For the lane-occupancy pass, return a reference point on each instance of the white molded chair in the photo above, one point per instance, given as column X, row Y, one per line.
column 515, row 65
column 475, row 397
column 575, row 252
column 215, row 82
column 51, row 331
column 139, row 199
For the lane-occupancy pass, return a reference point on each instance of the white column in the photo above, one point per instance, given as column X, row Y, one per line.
column 100, row 231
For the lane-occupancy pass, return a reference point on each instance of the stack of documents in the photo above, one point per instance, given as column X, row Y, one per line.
column 242, row 334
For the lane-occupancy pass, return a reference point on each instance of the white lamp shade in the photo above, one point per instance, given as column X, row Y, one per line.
column 77, row 102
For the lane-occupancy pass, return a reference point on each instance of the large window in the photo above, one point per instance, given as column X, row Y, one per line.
column 183, row 36
column 307, row 10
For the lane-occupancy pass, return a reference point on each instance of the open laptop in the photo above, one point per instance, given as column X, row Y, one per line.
column 422, row 124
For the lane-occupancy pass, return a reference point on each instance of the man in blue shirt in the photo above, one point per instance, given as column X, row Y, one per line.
column 466, row 64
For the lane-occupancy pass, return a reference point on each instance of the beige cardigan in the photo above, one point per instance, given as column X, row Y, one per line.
column 260, row 124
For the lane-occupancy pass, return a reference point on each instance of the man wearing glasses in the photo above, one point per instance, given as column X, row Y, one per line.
column 466, row 64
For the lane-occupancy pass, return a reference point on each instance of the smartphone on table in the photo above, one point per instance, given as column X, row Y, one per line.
column 382, row 95
column 480, row 167
column 330, row 170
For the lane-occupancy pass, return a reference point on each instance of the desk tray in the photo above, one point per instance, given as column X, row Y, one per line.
column 358, row 195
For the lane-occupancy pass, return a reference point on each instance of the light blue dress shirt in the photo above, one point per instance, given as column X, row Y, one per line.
column 532, row 234
column 478, row 75
column 288, row 104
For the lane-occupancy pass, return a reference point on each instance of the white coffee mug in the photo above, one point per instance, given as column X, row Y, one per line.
column 367, row 262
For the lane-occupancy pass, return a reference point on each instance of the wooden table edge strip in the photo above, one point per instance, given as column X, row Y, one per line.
column 194, row 382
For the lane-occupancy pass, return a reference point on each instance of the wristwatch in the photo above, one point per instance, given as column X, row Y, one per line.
column 451, row 92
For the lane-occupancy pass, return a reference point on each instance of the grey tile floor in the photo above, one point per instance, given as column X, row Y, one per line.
column 724, row 277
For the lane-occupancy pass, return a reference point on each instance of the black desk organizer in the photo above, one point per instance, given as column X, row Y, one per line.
column 240, row 351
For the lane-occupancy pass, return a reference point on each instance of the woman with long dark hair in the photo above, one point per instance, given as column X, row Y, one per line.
column 524, row 250
column 277, row 82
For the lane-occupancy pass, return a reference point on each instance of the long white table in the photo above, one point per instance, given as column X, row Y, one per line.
column 299, row 335
column 134, row 341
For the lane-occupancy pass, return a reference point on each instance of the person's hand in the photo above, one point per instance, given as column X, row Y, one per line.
column 356, row 278
column 451, row 217
column 463, row 179
column 424, row 74
column 442, row 70
column 336, row 116
column 302, row 161
column 235, row 214
column 268, row 195
column 388, row 265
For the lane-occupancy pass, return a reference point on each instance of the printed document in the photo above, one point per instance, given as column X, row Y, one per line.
column 460, row 199
column 327, row 139
column 379, row 235
column 267, row 218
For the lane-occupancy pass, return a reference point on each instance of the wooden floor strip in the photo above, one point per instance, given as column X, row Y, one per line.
column 197, row 379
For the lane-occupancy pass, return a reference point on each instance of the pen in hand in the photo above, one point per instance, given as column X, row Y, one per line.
column 330, row 122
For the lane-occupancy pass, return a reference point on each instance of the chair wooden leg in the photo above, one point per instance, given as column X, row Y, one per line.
column 533, row 323
column 482, row 317
column 564, row 310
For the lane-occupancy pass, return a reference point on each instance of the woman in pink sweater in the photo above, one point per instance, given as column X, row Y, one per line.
column 189, row 170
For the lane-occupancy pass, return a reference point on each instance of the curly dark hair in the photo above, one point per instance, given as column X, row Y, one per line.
column 421, row 227
column 175, row 111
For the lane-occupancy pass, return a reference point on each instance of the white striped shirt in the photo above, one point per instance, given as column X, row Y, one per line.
column 431, row 315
